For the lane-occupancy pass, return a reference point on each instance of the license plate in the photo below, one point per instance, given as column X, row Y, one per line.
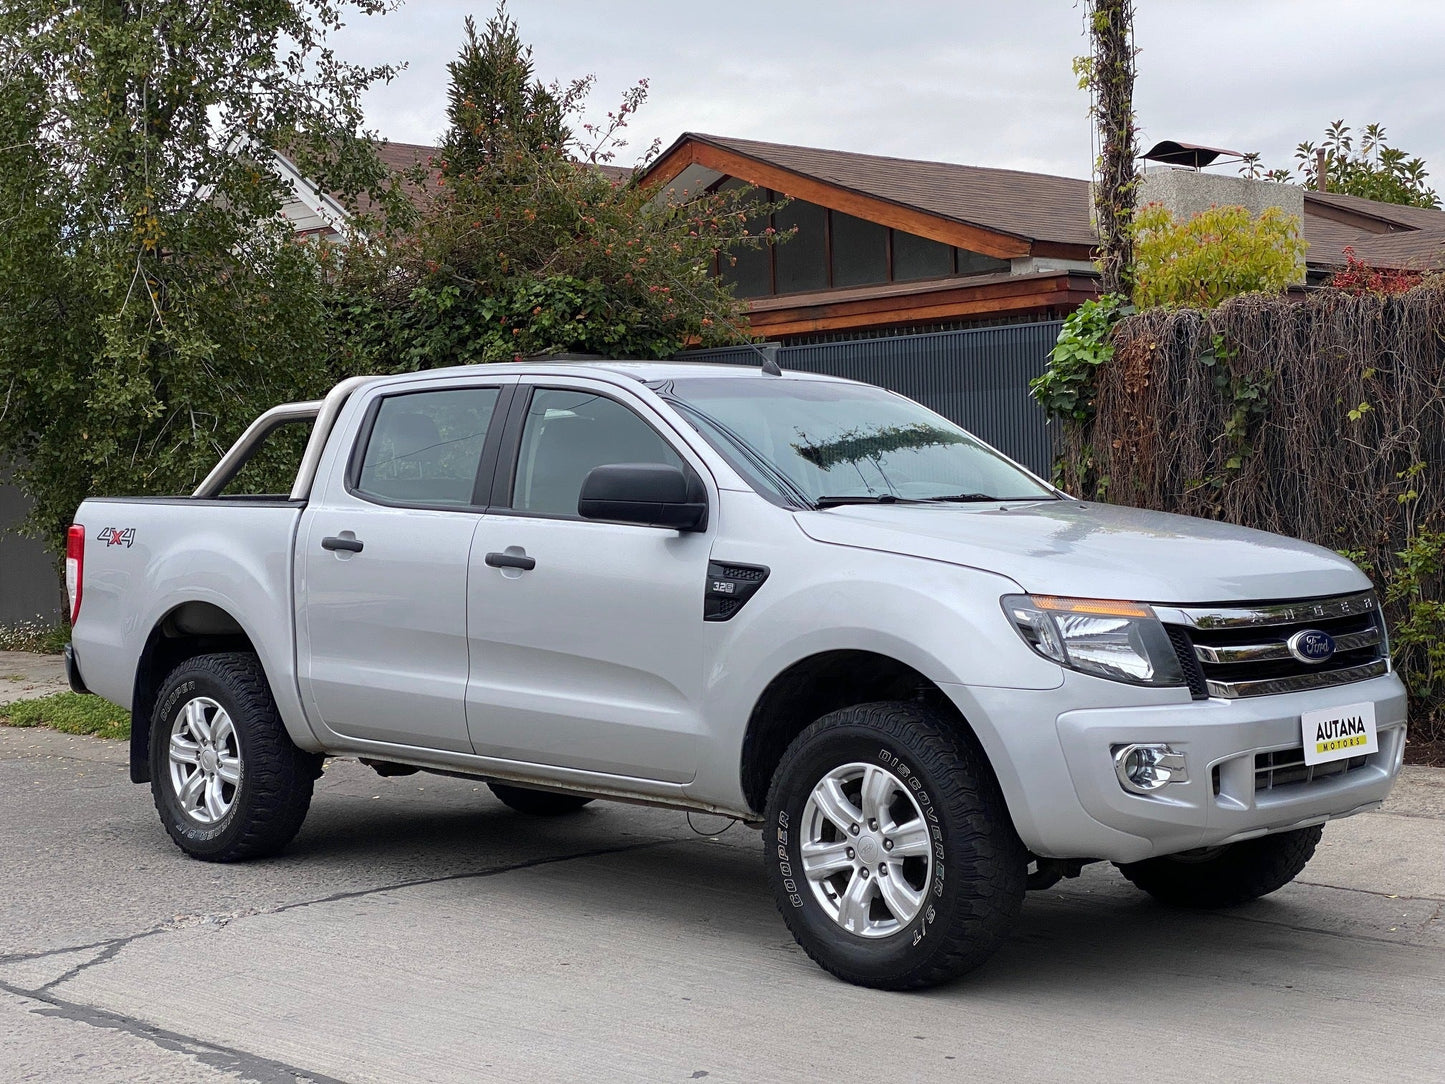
column 1336, row 733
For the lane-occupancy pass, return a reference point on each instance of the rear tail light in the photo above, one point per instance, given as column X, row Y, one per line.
column 75, row 567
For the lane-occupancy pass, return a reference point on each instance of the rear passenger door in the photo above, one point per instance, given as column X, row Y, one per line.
column 382, row 563
column 586, row 636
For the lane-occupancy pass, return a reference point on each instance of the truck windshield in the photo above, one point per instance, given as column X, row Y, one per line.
column 825, row 442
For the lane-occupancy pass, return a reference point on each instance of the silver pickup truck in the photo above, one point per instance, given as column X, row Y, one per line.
column 930, row 679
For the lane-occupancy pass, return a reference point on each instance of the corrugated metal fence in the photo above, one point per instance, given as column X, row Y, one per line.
column 978, row 378
column 29, row 585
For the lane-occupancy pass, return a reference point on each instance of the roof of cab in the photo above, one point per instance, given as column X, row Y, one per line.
column 645, row 372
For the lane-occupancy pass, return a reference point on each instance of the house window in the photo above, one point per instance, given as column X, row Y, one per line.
column 803, row 259
column 860, row 251
column 976, row 263
column 834, row 250
column 749, row 269
column 917, row 257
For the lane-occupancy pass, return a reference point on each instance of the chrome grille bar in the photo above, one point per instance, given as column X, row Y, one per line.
column 1319, row 679
column 1271, row 652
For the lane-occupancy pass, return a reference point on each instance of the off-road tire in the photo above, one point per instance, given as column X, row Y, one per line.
column 538, row 803
column 1226, row 876
column 976, row 886
column 274, row 790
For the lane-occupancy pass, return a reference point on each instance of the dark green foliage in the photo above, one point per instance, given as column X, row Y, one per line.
column 1065, row 390
column 151, row 302
column 526, row 245
column 1375, row 171
column 494, row 98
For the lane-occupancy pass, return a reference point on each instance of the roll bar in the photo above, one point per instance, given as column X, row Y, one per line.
column 324, row 411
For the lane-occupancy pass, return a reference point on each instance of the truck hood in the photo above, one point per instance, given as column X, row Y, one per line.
column 1096, row 550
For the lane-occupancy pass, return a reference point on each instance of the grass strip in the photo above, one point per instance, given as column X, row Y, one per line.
column 70, row 713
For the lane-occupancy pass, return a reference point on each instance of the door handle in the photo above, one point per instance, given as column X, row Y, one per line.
column 350, row 545
column 512, row 560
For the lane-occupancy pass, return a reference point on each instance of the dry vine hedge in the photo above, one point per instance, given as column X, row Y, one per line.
column 1322, row 418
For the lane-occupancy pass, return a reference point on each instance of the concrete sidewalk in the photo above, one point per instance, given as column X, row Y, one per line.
column 24, row 676
column 419, row 931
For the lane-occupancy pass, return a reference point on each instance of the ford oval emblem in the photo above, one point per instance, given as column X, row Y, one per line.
column 1312, row 646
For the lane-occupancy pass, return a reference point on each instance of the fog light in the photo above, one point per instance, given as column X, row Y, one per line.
column 1143, row 769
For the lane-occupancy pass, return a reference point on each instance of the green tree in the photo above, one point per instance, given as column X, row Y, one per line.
column 1374, row 171
column 1216, row 254
column 151, row 300
column 495, row 98
column 528, row 245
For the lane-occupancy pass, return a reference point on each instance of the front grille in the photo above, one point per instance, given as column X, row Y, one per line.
column 1234, row 652
column 1285, row 767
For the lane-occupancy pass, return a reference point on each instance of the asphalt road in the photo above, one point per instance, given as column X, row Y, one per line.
column 419, row 931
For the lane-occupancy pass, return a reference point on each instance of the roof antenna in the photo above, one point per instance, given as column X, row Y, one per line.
column 770, row 358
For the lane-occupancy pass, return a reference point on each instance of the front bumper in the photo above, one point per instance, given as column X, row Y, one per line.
column 1057, row 772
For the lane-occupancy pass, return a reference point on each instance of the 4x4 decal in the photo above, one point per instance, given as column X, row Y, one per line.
column 117, row 536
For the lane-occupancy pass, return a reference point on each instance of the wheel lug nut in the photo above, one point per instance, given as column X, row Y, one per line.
column 864, row 872
column 850, row 853
column 873, row 825
column 853, row 829
column 882, row 870
column 887, row 844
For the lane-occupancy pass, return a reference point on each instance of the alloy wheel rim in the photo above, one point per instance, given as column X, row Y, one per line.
column 866, row 850
column 205, row 760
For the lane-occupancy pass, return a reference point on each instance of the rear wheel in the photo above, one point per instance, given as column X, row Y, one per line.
column 889, row 848
column 538, row 803
column 226, row 778
column 1213, row 877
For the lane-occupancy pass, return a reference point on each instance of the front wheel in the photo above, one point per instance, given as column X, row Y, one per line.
column 889, row 848
column 1227, row 876
column 226, row 778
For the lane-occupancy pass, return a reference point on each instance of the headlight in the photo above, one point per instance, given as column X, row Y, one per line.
column 1122, row 641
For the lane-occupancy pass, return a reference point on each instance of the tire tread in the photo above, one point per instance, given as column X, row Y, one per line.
column 962, row 781
column 279, row 777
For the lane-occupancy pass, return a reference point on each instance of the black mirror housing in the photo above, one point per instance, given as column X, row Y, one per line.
column 647, row 494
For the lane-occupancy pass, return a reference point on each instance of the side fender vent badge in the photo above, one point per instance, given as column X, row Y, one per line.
column 729, row 587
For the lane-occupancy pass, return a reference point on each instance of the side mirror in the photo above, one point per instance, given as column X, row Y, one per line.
column 648, row 494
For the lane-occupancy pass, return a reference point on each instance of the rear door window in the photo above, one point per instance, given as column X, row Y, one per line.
column 424, row 448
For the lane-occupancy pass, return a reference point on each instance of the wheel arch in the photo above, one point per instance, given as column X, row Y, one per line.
column 186, row 630
column 823, row 682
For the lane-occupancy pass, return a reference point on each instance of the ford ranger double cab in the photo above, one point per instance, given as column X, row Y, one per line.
column 930, row 678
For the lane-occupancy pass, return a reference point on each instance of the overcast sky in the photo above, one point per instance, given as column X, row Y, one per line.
column 982, row 82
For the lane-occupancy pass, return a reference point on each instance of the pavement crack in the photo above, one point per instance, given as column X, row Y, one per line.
column 1371, row 892
column 112, row 946
column 229, row 1059
column 103, row 957
column 491, row 871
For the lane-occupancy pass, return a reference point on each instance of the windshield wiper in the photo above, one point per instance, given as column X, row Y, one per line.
column 861, row 498
column 980, row 498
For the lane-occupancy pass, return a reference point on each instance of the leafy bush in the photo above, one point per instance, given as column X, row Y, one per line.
column 1358, row 277
column 1376, row 171
column 1217, row 254
column 1065, row 390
